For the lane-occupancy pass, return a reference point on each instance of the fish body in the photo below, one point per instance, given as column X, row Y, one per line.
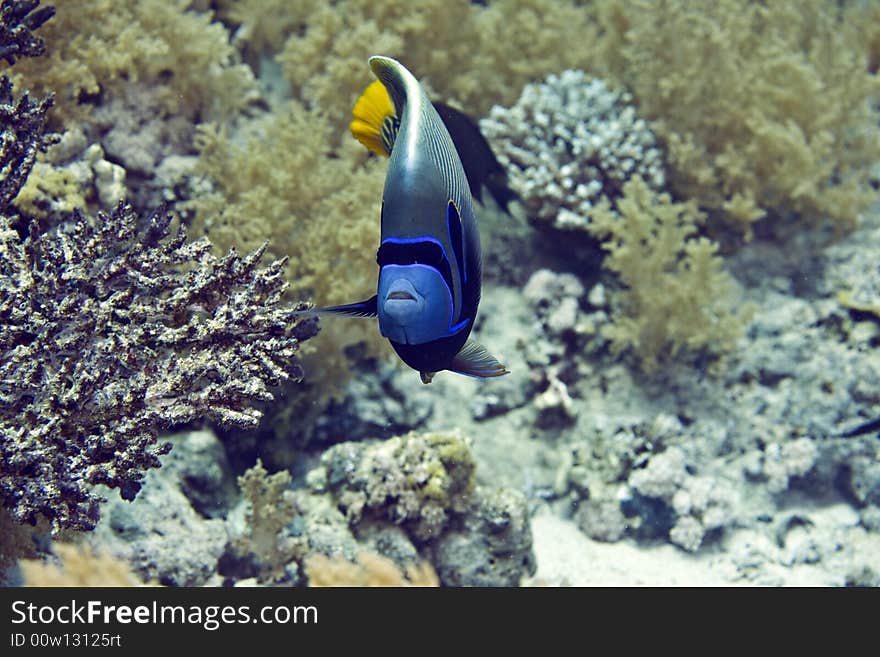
column 429, row 252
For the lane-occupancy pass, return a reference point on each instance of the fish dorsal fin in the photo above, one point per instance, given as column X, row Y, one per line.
column 474, row 360
column 481, row 168
column 360, row 309
column 374, row 120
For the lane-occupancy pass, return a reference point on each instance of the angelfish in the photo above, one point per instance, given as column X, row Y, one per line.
column 429, row 253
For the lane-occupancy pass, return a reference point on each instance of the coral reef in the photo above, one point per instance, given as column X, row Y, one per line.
column 424, row 483
column 570, row 141
column 665, row 133
column 119, row 331
column 677, row 296
column 317, row 207
column 373, row 513
column 700, row 504
column 763, row 108
column 100, row 49
column 490, row 546
column 414, row 480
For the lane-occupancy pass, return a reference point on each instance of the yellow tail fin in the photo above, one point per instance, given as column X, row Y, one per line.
column 375, row 122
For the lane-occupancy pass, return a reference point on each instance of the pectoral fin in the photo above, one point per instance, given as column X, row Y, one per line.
column 360, row 309
column 474, row 360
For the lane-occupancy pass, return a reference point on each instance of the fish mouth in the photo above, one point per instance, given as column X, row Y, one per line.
column 401, row 290
column 400, row 295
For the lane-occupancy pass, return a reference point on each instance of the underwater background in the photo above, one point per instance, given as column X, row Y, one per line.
column 685, row 290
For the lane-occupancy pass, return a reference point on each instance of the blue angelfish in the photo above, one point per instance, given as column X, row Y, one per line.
column 429, row 254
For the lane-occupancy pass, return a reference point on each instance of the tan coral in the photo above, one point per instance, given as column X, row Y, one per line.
column 370, row 569
column 677, row 295
column 99, row 46
column 762, row 106
column 79, row 565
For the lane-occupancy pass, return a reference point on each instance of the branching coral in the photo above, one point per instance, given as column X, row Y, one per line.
column 677, row 295
column 112, row 333
column 97, row 47
column 316, row 205
column 569, row 142
column 18, row 19
column 762, row 106
column 22, row 122
column 270, row 509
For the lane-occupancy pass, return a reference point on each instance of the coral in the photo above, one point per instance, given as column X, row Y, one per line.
column 18, row 19
column 700, row 503
column 18, row 541
column 23, row 124
column 113, row 332
column 677, row 296
column 79, row 565
column 71, row 175
column 416, row 480
column 424, row 483
column 601, row 520
column 148, row 532
column 492, row 546
column 100, row 48
column 570, row 141
column 555, row 298
column 370, row 569
column 317, row 206
column 281, row 532
column 791, row 459
column 763, row 107
column 430, row 36
column 270, row 509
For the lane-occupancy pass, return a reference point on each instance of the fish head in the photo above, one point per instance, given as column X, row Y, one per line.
column 414, row 304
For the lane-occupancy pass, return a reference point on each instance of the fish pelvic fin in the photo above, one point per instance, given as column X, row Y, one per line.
column 366, row 308
column 473, row 360
column 374, row 120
